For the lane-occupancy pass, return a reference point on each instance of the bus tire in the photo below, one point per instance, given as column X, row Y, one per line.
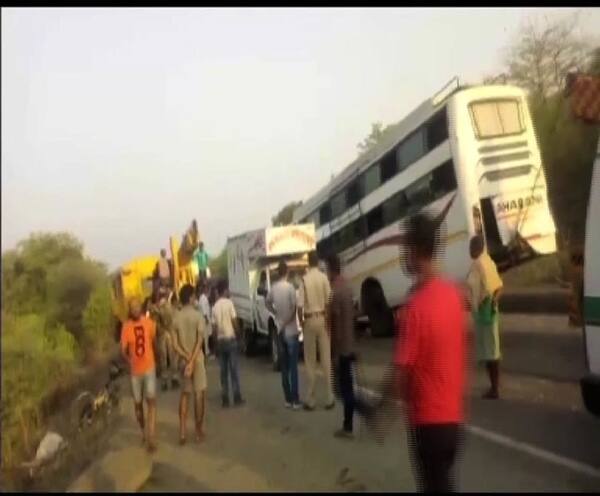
column 374, row 303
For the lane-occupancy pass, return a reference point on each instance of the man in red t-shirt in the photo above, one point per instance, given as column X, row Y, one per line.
column 429, row 365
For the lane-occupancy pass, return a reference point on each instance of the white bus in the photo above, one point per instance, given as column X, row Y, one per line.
column 470, row 155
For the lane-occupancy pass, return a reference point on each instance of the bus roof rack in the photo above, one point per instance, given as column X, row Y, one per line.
column 447, row 90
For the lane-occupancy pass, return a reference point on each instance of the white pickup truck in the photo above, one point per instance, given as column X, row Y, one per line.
column 252, row 260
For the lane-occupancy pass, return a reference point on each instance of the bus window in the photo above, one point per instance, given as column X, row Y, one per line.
column 494, row 118
column 372, row 179
column 347, row 237
column 411, row 149
column 437, row 130
column 395, row 208
column 375, row 220
column 338, row 204
column 324, row 247
column 419, row 193
column 354, row 192
column 336, row 241
column 360, row 229
column 389, row 167
column 444, row 179
column 325, row 214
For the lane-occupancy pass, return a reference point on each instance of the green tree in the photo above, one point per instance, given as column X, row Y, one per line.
column 285, row 216
column 98, row 320
column 55, row 309
column 218, row 265
column 372, row 139
column 25, row 269
column 379, row 137
column 47, row 274
column 70, row 285
column 542, row 54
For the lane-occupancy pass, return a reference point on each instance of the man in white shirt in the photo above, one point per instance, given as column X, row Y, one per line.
column 282, row 302
column 225, row 320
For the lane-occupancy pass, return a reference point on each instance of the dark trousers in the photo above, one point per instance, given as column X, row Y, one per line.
column 228, row 358
column 289, row 348
column 434, row 449
column 344, row 389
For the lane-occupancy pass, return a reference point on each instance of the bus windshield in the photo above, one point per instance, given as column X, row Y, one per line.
column 495, row 118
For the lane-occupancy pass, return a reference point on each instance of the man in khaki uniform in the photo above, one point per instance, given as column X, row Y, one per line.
column 164, row 328
column 314, row 297
column 188, row 326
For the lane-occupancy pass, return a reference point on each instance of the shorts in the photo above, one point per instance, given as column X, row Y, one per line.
column 144, row 386
column 197, row 382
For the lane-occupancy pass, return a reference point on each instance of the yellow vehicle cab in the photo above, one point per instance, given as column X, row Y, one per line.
column 133, row 279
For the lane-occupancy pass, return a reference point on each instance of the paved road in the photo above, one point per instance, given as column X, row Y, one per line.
column 537, row 438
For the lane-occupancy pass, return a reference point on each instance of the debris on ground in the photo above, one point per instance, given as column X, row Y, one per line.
column 49, row 447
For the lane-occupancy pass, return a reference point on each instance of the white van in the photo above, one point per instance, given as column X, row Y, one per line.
column 252, row 260
column 590, row 384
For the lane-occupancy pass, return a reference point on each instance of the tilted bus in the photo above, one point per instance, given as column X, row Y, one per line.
column 468, row 155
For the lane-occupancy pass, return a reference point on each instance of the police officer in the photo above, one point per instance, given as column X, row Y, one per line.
column 313, row 299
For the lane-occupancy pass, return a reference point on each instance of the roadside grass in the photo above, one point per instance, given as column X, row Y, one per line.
column 41, row 365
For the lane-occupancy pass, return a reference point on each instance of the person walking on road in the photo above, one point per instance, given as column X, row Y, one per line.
column 281, row 300
column 138, row 341
column 429, row 365
column 225, row 320
column 164, row 331
column 315, row 291
column 341, row 322
column 206, row 313
column 189, row 334
column 484, row 286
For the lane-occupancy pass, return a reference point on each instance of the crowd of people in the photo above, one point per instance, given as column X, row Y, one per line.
column 427, row 372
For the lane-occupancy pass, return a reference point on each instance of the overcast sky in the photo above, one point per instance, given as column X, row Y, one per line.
column 121, row 125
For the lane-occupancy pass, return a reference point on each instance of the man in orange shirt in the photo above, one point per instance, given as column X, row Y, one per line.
column 138, row 341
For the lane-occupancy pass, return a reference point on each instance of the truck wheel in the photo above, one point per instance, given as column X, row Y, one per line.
column 274, row 347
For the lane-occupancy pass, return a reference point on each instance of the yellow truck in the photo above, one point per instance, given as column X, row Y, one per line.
column 135, row 278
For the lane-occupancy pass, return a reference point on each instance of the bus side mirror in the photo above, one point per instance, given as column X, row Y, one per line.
column 260, row 291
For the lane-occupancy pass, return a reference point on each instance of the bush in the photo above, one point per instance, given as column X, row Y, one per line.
column 56, row 305
column 98, row 320
column 36, row 358
column 69, row 287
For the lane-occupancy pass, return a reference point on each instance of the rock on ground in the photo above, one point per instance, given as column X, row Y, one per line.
column 124, row 470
